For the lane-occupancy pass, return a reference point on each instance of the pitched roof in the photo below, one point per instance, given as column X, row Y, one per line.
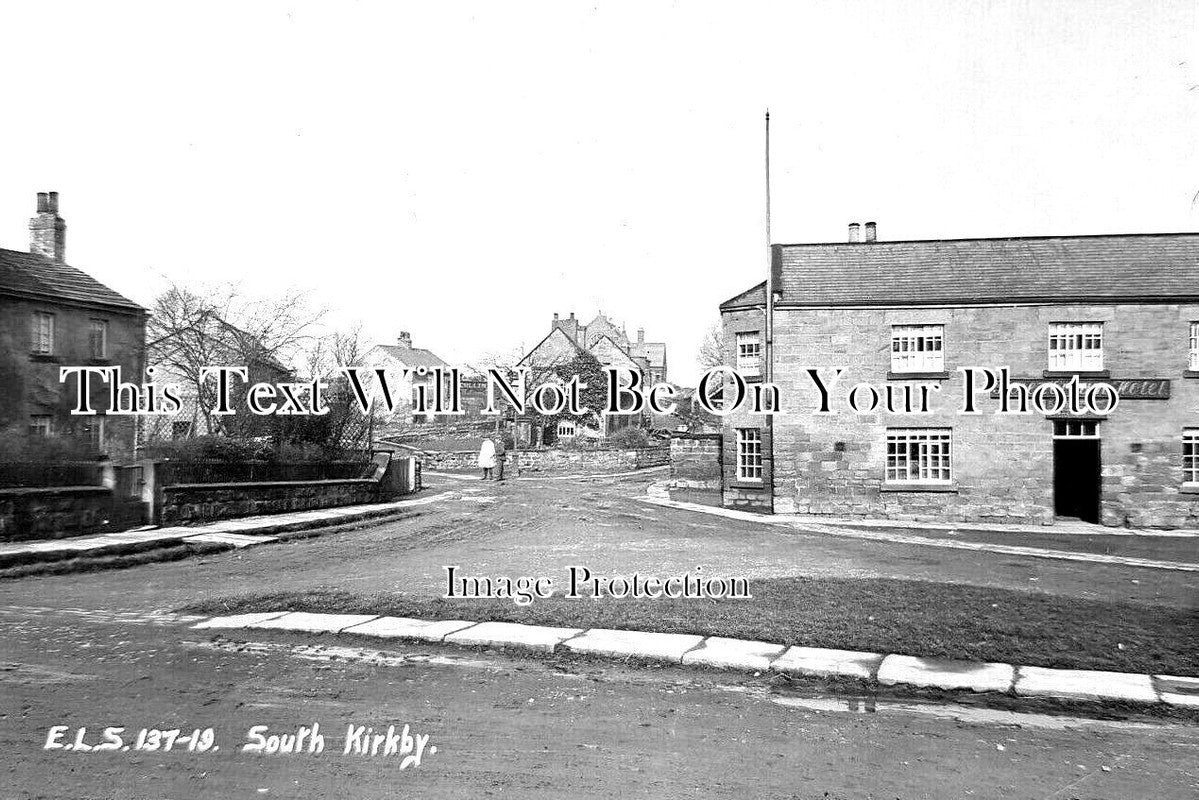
column 33, row 274
column 565, row 343
column 652, row 352
column 1058, row 269
column 412, row 357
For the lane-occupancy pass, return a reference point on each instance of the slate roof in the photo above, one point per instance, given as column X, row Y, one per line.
column 32, row 274
column 1056, row 269
column 412, row 357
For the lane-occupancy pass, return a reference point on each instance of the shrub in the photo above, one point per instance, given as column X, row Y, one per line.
column 629, row 438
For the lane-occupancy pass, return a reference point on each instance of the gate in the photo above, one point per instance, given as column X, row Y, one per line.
column 128, row 504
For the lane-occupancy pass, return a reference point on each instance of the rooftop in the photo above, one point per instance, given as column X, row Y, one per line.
column 32, row 274
column 1055, row 269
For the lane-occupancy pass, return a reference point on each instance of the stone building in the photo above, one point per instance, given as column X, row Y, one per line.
column 402, row 362
column 54, row 315
column 1120, row 310
column 604, row 339
column 611, row 346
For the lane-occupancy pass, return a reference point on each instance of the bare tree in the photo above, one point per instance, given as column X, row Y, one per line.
column 712, row 348
column 193, row 328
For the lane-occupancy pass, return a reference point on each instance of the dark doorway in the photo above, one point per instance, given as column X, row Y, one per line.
column 1076, row 478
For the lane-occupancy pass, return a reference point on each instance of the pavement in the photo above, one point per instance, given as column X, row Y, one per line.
column 892, row 531
column 895, row 670
column 225, row 534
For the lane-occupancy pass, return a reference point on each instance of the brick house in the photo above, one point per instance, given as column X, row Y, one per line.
column 54, row 315
column 1122, row 310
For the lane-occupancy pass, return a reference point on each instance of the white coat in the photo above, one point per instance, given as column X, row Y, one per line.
column 487, row 454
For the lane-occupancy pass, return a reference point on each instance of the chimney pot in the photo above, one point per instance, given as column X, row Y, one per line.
column 854, row 233
column 555, row 316
column 572, row 315
column 47, row 230
column 640, row 335
column 871, row 232
column 405, row 339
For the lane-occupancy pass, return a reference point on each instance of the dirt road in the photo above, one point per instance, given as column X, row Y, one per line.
column 107, row 649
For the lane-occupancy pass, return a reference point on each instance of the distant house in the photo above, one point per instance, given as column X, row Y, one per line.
column 403, row 363
column 610, row 345
column 54, row 315
column 173, row 360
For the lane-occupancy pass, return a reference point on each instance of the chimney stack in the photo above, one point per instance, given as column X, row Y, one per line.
column 405, row 339
column 641, row 336
column 871, row 232
column 48, row 231
column 854, row 233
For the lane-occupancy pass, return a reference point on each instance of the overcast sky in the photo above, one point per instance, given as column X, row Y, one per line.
column 464, row 170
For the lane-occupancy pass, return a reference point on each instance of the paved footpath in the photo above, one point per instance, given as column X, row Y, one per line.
column 894, row 670
column 839, row 528
column 226, row 534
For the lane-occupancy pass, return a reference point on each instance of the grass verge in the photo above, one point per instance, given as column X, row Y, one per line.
column 883, row 615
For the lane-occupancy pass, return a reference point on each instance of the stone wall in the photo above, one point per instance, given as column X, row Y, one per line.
column 54, row 512
column 201, row 502
column 695, row 461
column 1002, row 465
column 555, row 460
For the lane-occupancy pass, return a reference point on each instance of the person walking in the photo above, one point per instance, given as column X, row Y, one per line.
column 487, row 458
column 501, row 453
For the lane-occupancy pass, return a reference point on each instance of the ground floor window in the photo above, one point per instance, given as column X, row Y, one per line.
column 40, row 425
column 918, row 455
column 1190, row 455
column 749, row 454
column 566, row 428
column 1075, row 429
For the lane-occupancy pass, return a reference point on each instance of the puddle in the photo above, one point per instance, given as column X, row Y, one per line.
column 328, row 653
column 970, row 715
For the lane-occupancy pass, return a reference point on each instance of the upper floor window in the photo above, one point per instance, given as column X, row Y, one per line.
column 917, row 348
column 749, row 353
column 1075, row 346
column 42, row 333
column 1193, row 362
column 97, row 338
column 93, row 433
column 918, row 455
column 749, row 454
column 40, row 425
column 1190, row 455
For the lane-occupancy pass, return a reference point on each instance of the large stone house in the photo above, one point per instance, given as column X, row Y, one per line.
column 611, row 346
column 54, row 315
column 1121, row 310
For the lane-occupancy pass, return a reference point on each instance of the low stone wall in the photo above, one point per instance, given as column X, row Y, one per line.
column 201, row 502
column 555, row 460
column 695, row 461
column 53, row 512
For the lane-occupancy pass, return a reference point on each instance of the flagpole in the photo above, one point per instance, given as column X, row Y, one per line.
column 768, row 376
column 769, row 371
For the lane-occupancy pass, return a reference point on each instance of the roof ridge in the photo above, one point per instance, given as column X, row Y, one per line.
column 988, row 239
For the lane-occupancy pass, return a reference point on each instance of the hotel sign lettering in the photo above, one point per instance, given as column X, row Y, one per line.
column 1126, row 388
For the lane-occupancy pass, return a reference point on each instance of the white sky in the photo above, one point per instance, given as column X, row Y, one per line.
column 464, row 170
